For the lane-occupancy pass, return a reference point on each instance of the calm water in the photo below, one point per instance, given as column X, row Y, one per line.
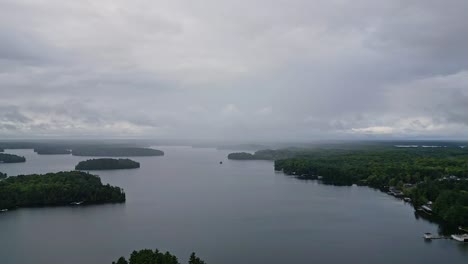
column 238, row 212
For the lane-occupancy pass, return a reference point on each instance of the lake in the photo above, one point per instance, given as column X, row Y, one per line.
column 230, row 213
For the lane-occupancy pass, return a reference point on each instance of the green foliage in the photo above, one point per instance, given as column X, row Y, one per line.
column 195, row 260
column 107, row 164
column 148, row 256
column 121, row 260
column 2, row 175
column 422, row 168
column 51, row 151
column 266, row 154
column 115, row 152
column 60, row 188
column 378, row 167
column 241, row 156
column 10, row 158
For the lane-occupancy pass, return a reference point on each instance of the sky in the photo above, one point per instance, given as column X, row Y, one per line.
column 238, row 70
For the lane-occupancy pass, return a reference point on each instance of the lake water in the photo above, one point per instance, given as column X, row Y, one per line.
column 237, row 212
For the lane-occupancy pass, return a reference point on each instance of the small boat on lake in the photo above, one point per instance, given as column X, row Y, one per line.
column 76, row 203
column 3, row 210
column 461, row 238
column 427, row 236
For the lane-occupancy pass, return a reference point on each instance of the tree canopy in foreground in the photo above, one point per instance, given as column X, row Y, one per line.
column 148, row 256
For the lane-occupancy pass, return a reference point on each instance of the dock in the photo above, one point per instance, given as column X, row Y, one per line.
column 429, row 236
column 438, row 237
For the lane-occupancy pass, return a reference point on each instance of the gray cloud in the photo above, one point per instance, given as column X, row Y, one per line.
column 239, row 70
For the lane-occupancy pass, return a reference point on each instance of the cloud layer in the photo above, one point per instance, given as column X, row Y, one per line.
column 247, row 70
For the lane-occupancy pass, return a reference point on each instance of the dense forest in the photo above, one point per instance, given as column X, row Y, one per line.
column 51, row 151
column 107, row 164
column 60, row 188
column 2, row 175
column 266, row 154
column 116, row 152
column 241, row 156
column 421, row 173
column 10, row 158
column 148, row 256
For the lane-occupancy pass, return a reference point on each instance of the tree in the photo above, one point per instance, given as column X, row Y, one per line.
column 148, row 256
column 195, row 260
column 121, row 260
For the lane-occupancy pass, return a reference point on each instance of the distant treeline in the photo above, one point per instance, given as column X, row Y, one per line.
column 60, row 188
column 10, row 158
column 419, row 172
column 104, row 148
column 107, row 164
column 248, row 147
column 267, row 154
column 2, row 175
column 148, row 256
column 116, row 152
column 51, row 151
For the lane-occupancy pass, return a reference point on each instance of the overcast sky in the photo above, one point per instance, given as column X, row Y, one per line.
column 242, row 70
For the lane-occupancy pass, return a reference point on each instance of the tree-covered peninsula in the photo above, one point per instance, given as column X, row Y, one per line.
column 115, row 152
column 148, row 256
column 241, row 156
column 107, row 164
column 10, row 158
column 424, row 175
column 52, row 189
column 267, row 154
column 2, row 175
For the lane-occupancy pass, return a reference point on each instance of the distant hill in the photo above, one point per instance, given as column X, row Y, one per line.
column 107, row 164
column 243, row 147
column 51, row 151
column 116, row 152
column 267, row 154
column 241, row 156
column 10, row 158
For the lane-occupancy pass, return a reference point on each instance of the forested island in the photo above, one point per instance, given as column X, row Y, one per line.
column 52, row 189
column 10, row 158
column 425, row 175
column 52, row 151
column 107, row 164
column 116, row 152
column 148, row 256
